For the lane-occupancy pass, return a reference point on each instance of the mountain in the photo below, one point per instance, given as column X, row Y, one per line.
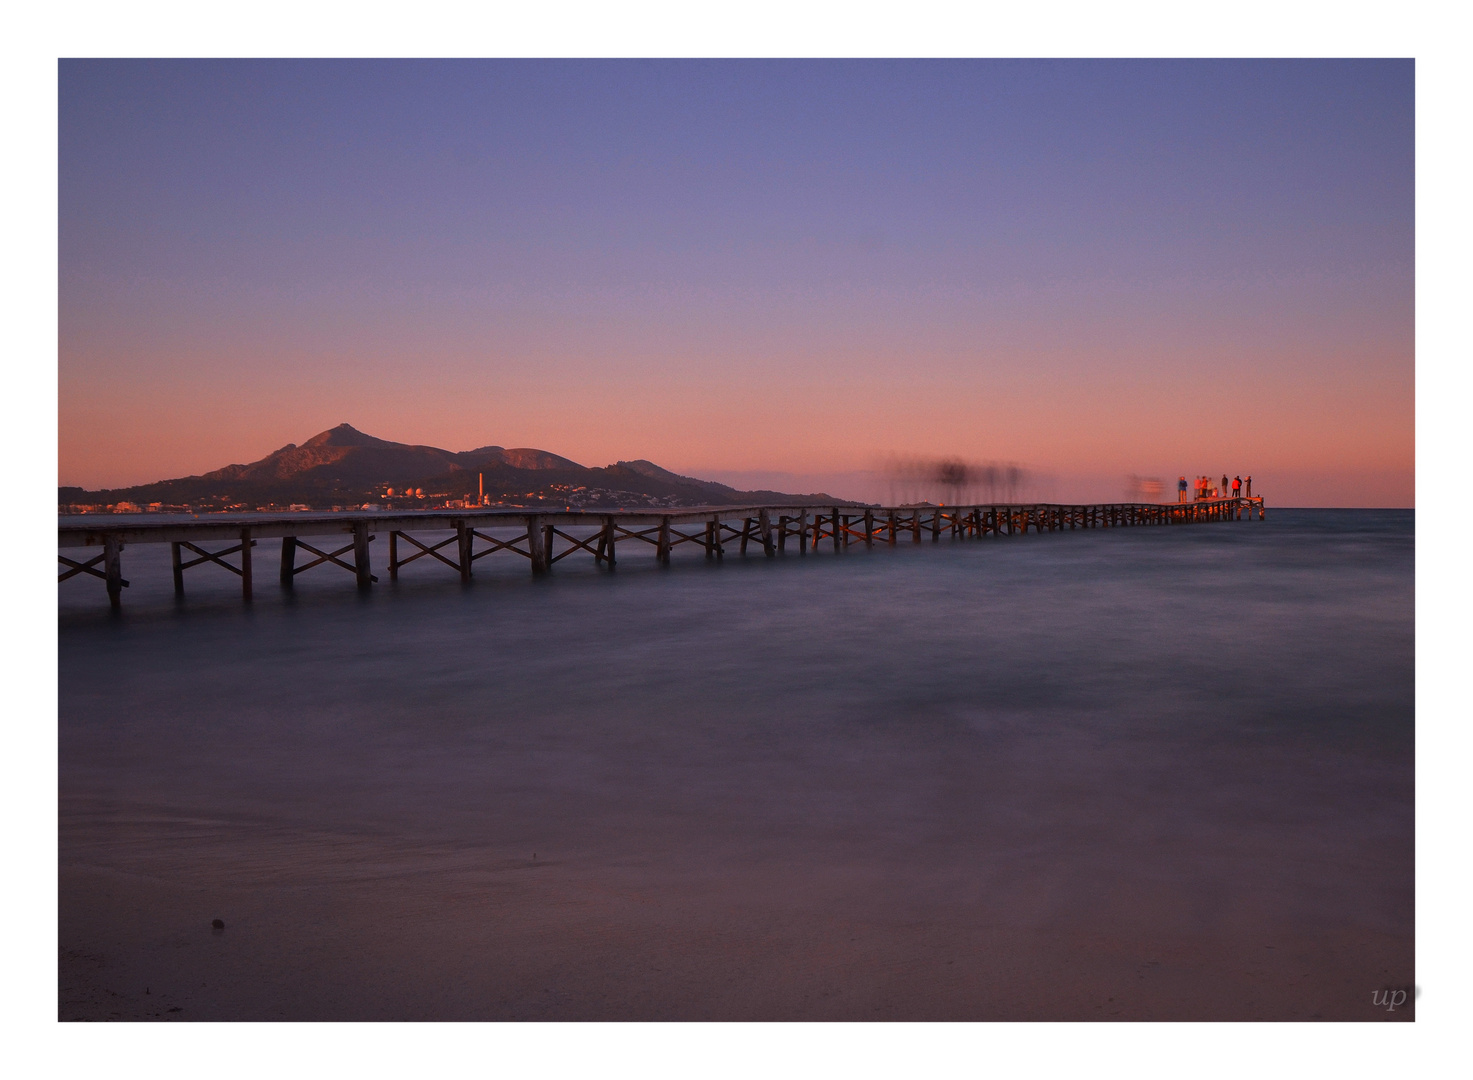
column 345, row 467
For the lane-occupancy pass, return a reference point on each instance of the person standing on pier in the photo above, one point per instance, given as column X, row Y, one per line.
column 1250, row 487
column 1237, row 486
column 1224, row 487
column 1181, row 490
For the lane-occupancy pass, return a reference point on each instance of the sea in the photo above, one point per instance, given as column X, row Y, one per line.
column 1117, row 774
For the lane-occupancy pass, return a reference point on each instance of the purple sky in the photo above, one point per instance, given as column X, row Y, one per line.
column 747, row 269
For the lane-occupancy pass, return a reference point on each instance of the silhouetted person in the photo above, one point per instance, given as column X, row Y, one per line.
column 1250, row 487
column 1181, row 490
column 1237, row 486
column 1224, row 486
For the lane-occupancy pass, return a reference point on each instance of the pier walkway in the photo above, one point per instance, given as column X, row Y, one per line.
column 545, row 537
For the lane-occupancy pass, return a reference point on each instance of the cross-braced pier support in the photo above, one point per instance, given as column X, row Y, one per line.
column 243, row 549
column 359, row 568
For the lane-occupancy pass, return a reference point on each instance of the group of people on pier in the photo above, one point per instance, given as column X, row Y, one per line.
column 1206, row 488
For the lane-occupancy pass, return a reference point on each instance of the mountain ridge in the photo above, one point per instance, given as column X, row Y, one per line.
column 345, row 466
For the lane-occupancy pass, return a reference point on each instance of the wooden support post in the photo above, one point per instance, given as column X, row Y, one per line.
column 890, row 528
column 844, row 527
column 393, row 554
column 716, row 536
column 360, row 555
column 662, row 550
column 746, row 528
column 936, row 525
column 547, row 544
column 288, row 560
column 711, row 539
column 609, row 535
column 782, row 532
column 112, row 552
column 915, row 525
column 246, row 543
column 465, row 540
column 178, row 569
column 837, row 541
column 869, row 528
column 764, row 527
column 536, row 539
column 803, row 531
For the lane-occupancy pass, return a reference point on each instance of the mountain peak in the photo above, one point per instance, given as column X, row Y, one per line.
column 342, row 435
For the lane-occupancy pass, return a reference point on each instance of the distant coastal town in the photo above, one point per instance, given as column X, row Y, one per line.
column 554, row 495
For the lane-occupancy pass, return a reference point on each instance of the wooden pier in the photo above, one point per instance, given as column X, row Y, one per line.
column 545, row 538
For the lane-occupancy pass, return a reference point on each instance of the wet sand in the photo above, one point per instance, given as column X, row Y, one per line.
column 1132, row 920
column 517, row 943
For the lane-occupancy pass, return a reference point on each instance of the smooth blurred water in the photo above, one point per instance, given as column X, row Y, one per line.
column 1200, row 732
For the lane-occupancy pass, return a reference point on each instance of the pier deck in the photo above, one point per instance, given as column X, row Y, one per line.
column 537, row 535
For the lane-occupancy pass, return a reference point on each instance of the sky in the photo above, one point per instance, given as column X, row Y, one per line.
column 774, row 272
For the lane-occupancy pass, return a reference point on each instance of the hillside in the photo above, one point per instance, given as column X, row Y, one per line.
column 344, row 467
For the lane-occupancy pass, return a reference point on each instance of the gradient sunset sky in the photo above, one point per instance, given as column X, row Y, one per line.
column 775, row 272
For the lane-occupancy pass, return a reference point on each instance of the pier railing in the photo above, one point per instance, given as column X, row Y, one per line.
column 537, row 535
